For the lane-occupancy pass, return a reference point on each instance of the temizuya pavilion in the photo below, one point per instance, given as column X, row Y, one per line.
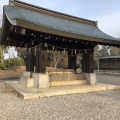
column 39, row 29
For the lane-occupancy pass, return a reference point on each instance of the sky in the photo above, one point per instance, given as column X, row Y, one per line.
column 106, row 12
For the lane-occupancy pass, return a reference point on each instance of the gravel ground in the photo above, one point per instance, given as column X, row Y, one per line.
column 3, row 87
column 90, row 106
column 103, row 105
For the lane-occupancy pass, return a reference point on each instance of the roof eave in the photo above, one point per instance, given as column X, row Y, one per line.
column 35, row 27
column 4, row 29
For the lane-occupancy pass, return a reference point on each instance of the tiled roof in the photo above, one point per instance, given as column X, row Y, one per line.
column 110, row 57
column 56, row 23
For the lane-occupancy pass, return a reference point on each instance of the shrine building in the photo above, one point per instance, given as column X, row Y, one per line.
column 38, row 30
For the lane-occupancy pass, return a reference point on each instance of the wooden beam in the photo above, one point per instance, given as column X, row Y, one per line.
column 67, row 34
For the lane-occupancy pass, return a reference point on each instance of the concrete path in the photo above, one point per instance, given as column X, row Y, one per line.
column 30, row 93
column 108, row 79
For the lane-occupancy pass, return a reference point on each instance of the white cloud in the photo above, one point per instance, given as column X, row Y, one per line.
column 3, row 2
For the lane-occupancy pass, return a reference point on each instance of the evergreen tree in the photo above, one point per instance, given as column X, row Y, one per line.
column 104, row 51
column 114, row 51
column 21, row 52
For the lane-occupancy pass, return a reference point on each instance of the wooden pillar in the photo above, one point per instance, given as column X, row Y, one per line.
column 71, row 60
column 84, row 61
column 40, row 59
column 37, row 59
column 27, row 60
column 90, row 61
column 30, row 60
column 87, row 61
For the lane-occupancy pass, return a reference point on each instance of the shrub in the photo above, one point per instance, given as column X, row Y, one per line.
column 2, row 66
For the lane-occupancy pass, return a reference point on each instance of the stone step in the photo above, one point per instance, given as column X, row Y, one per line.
column 67, row 82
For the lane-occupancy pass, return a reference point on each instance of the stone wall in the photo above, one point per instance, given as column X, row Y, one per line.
column 65, row 76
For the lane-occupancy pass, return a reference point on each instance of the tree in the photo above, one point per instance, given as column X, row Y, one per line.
column 10, row 51
column 57, row 58
column 48, row 58
column 14, row 63
column 21, row 52
column 104, row 51
column 114, row 51
column 100, row 51
column 97, row 54
column 2, row 65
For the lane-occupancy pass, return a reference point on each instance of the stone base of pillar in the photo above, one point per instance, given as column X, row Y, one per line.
column 90, row 78
column 26, row 80
column 41, row 80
